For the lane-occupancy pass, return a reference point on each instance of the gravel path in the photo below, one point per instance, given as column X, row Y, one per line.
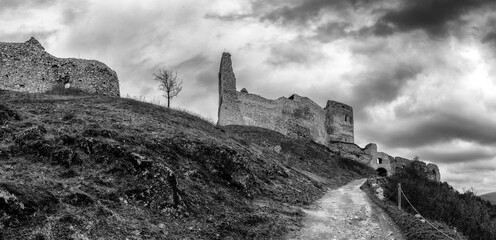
column 346, row 213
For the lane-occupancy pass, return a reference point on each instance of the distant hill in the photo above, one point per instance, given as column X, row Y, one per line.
column 491, row 197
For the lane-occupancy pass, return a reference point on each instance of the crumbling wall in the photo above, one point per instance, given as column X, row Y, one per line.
column 339, row 121
column 352, row 151
column 28, row 67
column 229, row 113
column 295, row 116
column 377, row 160
column 433, row 172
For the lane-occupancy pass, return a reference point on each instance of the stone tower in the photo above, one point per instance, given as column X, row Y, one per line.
column 229, row 112
column 339, row 121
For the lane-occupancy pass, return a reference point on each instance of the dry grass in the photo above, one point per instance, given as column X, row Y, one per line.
column 117, row 168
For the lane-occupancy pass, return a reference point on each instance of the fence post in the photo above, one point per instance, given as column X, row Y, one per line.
column 399, row 196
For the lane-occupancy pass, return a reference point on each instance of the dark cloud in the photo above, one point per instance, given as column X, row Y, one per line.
column 192, row 63
column 436, row 127
column 297, row 51
column 227, row 17
column 482, row 166
column 331, row 31
column 305, row 11
column 15, row 4
column 433, row 16
column 381, row 86
column 456, row 156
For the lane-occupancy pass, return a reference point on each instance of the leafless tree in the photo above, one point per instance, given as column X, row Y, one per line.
column 169, row 83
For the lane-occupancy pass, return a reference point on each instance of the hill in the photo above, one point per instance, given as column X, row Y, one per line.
column 96, row 167
column 491, row 197
column 472, row 216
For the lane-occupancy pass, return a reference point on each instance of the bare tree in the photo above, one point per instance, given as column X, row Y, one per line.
column 168, row 83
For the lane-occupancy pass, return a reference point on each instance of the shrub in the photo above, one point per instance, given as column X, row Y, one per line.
column 473, row 216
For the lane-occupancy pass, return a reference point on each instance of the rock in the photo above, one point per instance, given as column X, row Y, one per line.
column 30, row 134
column 244, row 90
column 7, row 114
column 65, row 157
column 379, row 193
column 18, row 202
column 277, row 149
column 139, row 161
column 79, row 199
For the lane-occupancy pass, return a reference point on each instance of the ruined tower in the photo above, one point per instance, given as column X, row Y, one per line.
column 339, row 121
column 295, row 116
column 229, row 112
column 27, row 67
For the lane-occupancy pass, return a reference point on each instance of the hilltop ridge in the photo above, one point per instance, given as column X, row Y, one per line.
column 113, row 168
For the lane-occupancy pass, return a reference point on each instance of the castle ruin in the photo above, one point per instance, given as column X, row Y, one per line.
column 27, row 67
column 295, row 116
column 300, row 117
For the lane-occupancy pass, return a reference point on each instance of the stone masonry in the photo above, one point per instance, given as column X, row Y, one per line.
column 383, row 163
column 296, row 116
column 27, row 67
column 300, row 117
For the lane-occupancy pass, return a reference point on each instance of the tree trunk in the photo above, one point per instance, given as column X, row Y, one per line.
column 168, row 102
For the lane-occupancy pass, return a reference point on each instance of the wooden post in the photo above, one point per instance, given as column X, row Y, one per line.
column 399, row 196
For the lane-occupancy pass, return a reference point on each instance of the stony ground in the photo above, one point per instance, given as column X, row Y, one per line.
column 346, row 213
column 94, row 167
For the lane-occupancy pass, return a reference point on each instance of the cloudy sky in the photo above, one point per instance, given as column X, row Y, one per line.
column 418, row 73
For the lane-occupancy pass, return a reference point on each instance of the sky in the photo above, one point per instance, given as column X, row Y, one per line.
column 418, row 73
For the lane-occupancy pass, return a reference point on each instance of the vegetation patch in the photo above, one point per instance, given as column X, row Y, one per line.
column 471, row 215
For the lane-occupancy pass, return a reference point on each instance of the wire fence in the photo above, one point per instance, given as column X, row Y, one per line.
column 437, row 229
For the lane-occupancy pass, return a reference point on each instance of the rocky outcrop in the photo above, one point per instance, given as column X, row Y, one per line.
column 295, row 116
column 27, row 67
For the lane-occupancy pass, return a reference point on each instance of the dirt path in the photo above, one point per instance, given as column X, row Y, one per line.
column 346, row 213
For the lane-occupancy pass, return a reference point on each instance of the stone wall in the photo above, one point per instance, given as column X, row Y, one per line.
column 300, row 117
column 229, row 113
column 28, row 67
column 295, row 116
column 380, row 160
column 339, row 121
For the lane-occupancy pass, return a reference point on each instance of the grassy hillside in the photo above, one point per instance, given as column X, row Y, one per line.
column 90, row 167
column 491, row 197
column 471, row 215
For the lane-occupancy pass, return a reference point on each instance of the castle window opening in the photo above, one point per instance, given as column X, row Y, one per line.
column 382, row 172
column 379, row 160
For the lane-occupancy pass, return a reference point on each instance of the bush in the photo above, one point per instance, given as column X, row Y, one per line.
column 473, row 216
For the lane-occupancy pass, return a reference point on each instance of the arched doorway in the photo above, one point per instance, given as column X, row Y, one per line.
column 382, row 172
